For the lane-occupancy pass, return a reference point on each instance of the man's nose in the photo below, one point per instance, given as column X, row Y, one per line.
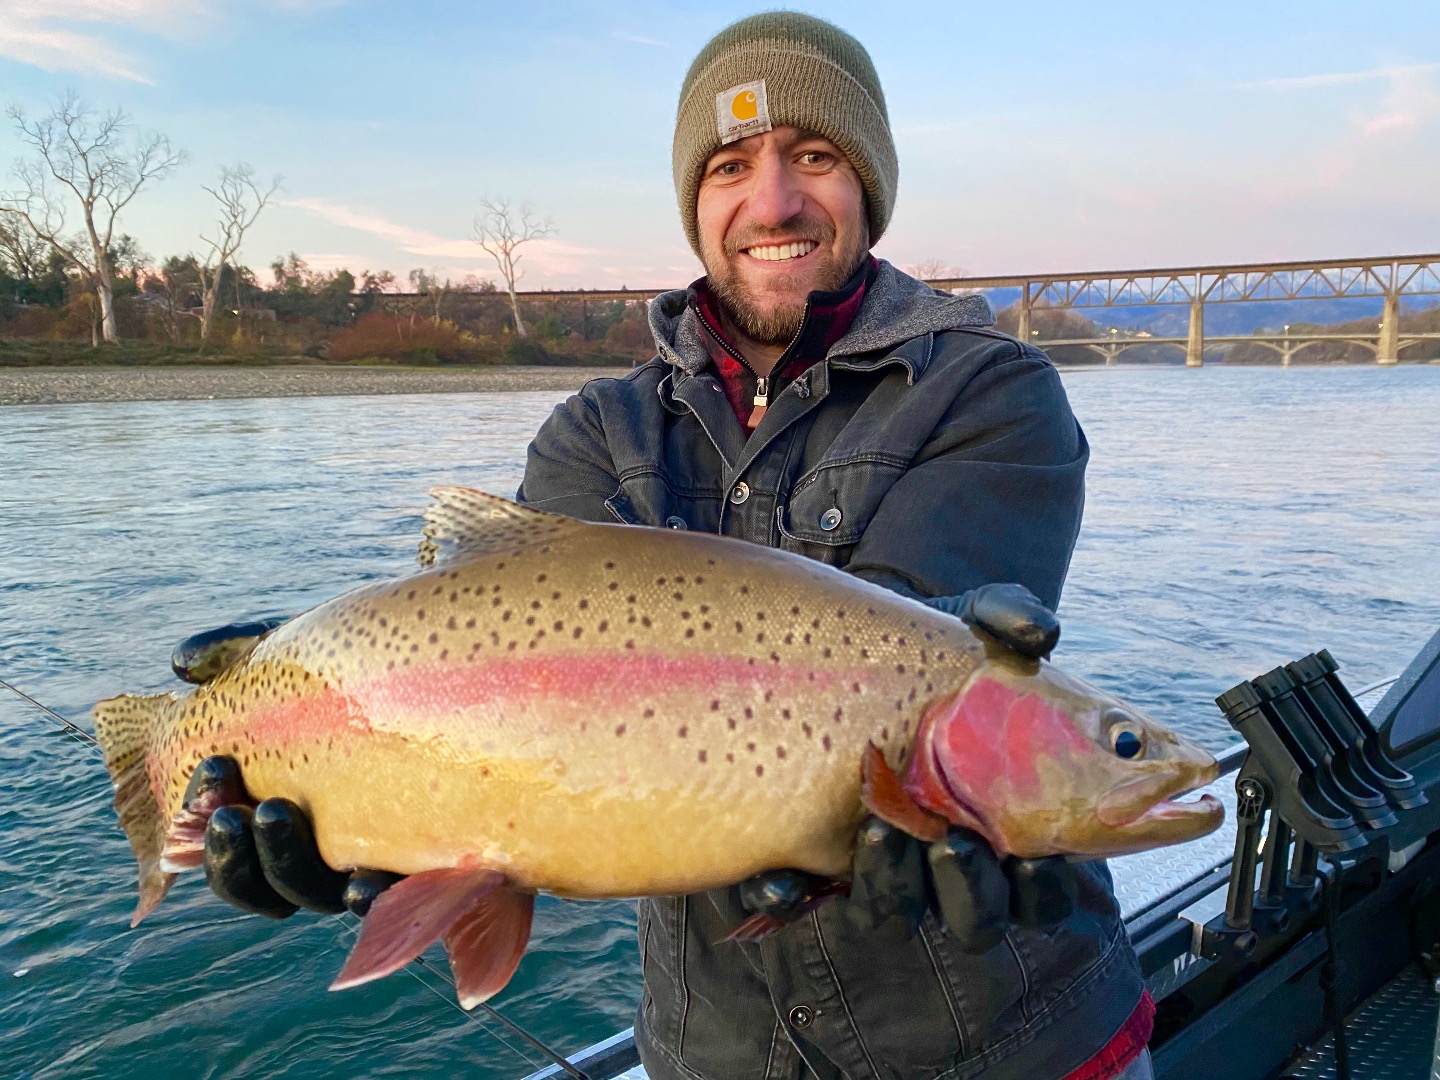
column 775, row 196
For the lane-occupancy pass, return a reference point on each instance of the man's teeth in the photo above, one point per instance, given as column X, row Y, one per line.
column 781, row 252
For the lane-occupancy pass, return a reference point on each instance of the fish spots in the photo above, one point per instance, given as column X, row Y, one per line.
column 750, row 746
column 584, row 603
column 450, row 623
column 730, row 723
column 839, row 715
column 603, row 626
column 730, row 758
column 808, row 730
column 759, row 770
column 433, row 639
column 780, row 752
column 420, row 614
column 540, row 579
column 749, row 713
column 682, row 731
column 825, row 742
column 785, row 714
column 701, row 757
column 899, row 669
column 619, row 729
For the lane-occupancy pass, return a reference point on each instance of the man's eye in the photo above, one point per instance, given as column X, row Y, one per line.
column 729, row 168
column 815, row 157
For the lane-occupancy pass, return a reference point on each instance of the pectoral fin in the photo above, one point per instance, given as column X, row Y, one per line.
column 485, row 946
column 882, row 793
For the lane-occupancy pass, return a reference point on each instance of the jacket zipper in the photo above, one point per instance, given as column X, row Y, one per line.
column 761, row 401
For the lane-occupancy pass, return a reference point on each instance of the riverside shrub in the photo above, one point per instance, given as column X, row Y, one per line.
column 381, row 335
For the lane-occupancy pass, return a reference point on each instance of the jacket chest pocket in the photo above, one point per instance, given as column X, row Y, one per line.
column 830, row 507
column 648, row 498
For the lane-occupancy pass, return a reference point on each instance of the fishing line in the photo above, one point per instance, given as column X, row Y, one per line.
column 81, row 735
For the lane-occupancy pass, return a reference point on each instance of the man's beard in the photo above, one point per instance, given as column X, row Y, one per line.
column 779, row 325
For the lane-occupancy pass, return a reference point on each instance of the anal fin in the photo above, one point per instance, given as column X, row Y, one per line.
column 882, row 793
column 409, row 917
column 486, row 945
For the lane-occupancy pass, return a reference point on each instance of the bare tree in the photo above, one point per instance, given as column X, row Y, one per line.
column 501, row 231
column 89, row 161
column 21, row 251
column 241, row 201
column 429, row 286
column 934, row 270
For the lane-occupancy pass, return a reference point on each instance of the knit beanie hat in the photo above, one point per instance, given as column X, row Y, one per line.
column 779, row 69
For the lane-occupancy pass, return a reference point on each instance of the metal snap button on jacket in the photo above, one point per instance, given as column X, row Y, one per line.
column 739, row 493
column 830, row 519
column 674, row 521
column 802, row 1016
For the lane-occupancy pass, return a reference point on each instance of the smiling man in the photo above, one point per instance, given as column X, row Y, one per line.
column 809, row 396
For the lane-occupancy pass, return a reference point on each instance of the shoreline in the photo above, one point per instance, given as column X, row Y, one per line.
column 60, row 384
column 66, row 385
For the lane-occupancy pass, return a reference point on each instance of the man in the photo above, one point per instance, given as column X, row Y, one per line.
column 810, row 397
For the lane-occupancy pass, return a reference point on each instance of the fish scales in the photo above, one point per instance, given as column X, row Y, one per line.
column 527, row 708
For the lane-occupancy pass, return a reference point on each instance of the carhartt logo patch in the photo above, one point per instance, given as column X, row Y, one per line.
column 742, row 111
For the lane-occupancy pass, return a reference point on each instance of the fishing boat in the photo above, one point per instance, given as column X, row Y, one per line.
column 1303, row 938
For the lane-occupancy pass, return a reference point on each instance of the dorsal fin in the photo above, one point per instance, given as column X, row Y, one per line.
column 463, row 521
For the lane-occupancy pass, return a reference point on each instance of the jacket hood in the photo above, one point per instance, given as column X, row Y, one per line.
column 896, row 309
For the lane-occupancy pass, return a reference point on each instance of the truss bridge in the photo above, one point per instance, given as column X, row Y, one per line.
column 1388, row 279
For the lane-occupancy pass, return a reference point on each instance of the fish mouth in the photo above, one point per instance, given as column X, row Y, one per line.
column 1159, row 801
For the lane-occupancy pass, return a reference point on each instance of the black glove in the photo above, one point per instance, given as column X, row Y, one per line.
column 896, row 878
column 200, row 657
column 1011, row 614
column 261, row 858
column 264, row 859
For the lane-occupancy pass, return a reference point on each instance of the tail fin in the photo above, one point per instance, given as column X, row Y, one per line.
column 125, row 727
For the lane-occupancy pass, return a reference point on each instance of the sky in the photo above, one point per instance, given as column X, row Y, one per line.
column 1036, row 137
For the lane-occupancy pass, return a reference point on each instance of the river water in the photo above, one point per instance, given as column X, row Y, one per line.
column 1236, row 519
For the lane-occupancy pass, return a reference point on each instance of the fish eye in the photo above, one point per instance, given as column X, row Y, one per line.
column 1127, row 743
column 1127, row 736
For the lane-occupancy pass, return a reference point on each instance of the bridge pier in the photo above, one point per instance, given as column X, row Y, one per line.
column 1023, row 330
column 1195, row 344
column 1387, row 349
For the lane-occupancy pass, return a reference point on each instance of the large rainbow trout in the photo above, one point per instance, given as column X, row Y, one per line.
column 612, row 711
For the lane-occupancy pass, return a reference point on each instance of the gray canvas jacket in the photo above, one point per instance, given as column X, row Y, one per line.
column 927, row 453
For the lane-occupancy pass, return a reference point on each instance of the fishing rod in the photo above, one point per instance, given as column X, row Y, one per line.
column 554, row 1057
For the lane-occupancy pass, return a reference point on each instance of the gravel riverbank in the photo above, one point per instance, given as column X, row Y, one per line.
column 70, row 385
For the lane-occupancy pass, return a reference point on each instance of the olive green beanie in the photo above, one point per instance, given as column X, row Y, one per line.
column 784, row 69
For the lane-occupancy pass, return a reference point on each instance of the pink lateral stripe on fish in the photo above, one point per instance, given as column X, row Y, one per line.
column 613, row 711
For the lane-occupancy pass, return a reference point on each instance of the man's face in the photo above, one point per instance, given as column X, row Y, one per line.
column 781, row 215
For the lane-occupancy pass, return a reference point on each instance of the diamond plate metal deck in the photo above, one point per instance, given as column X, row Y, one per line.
column 1143, row 880
column 1390, row 1037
